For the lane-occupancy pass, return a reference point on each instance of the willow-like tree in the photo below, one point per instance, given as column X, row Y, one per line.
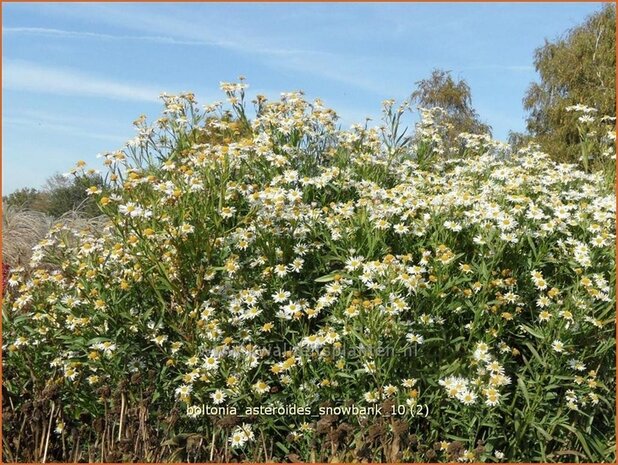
column 454, row 97
column 576, row 68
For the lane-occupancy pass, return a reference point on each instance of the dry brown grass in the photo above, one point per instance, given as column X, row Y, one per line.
column 22, row 229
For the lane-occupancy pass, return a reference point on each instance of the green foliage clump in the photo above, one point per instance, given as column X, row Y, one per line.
column 454, row 97
column 61, row 195
column 578, row 68
column 27, row 198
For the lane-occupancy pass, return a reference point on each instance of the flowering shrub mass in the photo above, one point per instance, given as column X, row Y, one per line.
column 275, row 260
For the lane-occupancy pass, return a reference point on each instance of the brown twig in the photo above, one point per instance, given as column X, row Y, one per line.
column 51, row 416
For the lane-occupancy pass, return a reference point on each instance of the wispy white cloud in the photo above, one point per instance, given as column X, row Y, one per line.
column 351, row 69
column 68, row 129
column 82, row 119
column 32, row 77
column 202, row 39
column 346, row 68
column 62, row 33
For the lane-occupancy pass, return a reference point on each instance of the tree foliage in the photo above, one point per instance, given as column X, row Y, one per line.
column 577, row 68
column 59, row 196
column 454, row 97
column 26, row 198
column 66, row 194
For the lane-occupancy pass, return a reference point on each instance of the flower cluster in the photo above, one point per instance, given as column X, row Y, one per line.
column 281, row 260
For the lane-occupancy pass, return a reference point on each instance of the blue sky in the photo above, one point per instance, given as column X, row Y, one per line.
column 75, row 76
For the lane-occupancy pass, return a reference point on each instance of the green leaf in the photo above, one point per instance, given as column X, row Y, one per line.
column 544, row 433
column 535, row 354
column 524, row 390
column 329, row 277
column 534, row 332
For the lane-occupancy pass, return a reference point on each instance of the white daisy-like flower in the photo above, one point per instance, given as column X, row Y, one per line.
column 218, row 397
column 557, row 346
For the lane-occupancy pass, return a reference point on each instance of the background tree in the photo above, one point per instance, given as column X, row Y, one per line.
column 69, row 194
column 26, row 198
column 60, row 195
column 454, row 97
column 518, row 139
column 577, row 68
